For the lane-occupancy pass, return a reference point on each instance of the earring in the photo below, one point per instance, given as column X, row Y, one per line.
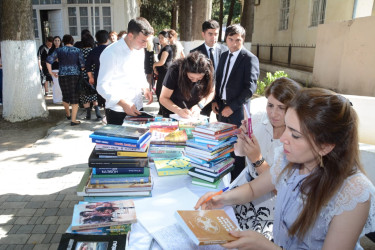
column 321, row 161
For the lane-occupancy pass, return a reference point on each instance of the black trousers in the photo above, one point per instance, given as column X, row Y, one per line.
column 114, row 117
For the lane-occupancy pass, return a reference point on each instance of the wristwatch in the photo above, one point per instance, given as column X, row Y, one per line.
column 258, row 163
column 200, row 106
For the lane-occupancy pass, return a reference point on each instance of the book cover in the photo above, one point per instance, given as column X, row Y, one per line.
column 215, row 168
column 115, row 153
column 110, row 171
column 215, row 128
column 119, row 139
column 207, row 227
column 114, row 173
column 210, row 158
column 110, row 230
column 113, row 188
column 103, row 214
column 190, row 119
column 169, row 166
column 103, row 242
column 203, row 183
column 114, row 141
column 121, row 131
column 119, row 148
column 209, row 178
column 176, row 136
column 95, row 161
column 207, row 153
column 119, row 180
column 210, row 147
column 220, row 137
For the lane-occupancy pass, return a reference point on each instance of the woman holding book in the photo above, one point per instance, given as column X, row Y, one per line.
column 188, row 86
column 259, row 151
column 322, row 193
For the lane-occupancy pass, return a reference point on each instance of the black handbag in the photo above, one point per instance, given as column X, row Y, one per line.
column 84, row 87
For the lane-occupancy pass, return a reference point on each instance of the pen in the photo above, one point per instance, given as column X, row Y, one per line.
column 249, row 123
column 217, row 193
column 185, row 104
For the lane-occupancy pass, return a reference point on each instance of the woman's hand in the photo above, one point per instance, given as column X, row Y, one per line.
column 184, row 113
column 196, row 111
column 250, row 146
column 215, row 202
column 250, row 240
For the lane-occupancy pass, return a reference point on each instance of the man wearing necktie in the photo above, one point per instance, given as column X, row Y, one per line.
column 236, row 81
column 212, row 50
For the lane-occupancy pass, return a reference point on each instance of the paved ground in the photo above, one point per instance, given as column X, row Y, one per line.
column 38, row 181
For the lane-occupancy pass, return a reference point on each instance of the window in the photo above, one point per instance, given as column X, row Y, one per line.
column 107, row 20
column 284, row 15
column 35, row 20
column 42, row 2
column 95, row 20
column 72, row 15
column 87, row 1
column 318, row 12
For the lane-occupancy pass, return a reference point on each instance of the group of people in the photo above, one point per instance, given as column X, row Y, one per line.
column 302, row 185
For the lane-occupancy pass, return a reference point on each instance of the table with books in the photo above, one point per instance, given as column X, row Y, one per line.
column 163, row 166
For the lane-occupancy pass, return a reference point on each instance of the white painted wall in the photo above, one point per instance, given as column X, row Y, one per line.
column 56, row 23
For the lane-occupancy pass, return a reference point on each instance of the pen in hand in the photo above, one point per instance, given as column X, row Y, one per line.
column 217, row 193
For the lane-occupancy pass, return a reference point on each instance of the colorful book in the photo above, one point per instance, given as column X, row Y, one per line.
column 119, row 148
column 210, row 158
column 121, row 131
column 176, row 136
column 190, row 119
column 103, row 214
column 215, row 168
column 114, row 153
column 210, row 147
column 215, row 128
column 207, row 153
column 207, row 177
column 203, row 183
column 207, row 227
column 102, row 242
column 119, row 180
column 175, row 166
column 115, row 141
column 110, row 171
column 95, row 161
column 111, row 230
column 119, row 139
column 220, row 137
column 208, row 163
column 114, row 172
column 115, row 188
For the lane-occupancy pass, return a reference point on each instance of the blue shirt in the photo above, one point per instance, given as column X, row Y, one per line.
column 70, row 60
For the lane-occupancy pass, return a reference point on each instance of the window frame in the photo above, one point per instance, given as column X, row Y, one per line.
column 284, row 15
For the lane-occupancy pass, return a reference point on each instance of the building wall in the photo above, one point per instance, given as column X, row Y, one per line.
column 344, row 57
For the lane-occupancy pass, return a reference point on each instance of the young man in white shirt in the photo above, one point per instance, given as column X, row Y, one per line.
column 121, row 79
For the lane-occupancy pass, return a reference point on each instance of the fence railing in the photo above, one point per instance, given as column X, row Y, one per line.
column 285, row 54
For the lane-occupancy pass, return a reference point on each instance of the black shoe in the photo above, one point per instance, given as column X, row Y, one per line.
column 97, row 112
column 68, row 117
column 75, row 123
column 88, row 114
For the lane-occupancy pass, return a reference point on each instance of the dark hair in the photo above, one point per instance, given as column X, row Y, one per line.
column 235, row 29
column 68, row 39
column 164, row 33
column 325, row 118
column 53, row 45
column 102, row 36
column 88, row 41
column 139, row 25
column 85, row 32
column 172, row 33
column 210, row 24
column 120, row 34
column 195, row 62
column 49, row 39
column 283, row 89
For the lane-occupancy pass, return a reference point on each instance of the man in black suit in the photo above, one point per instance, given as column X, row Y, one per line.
column 236, row 81
column 212, row 50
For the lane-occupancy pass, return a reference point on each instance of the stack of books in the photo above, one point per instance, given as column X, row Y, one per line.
column 118, row 163
column 209, row 152
column 100, row 225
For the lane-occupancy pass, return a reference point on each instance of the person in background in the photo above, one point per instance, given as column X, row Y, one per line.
column 93, row 62
column 177, row 48
column 188, row 86
column 121, row 77
column 87, row 97
column 121, row 35
column 79, row 43
column 113, row 36
column 56, row 90
column 211, row 49
column 70, row 64
column 259, row 150
column 324, row 199
column 160, row 67
column 1, row 79
column 46, row 78
column 236, row 81
column 149, row 60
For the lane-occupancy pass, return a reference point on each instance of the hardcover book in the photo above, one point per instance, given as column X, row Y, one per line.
column 210, row 147
column 203, row 183
column 220, row 137
column 114, row 173
column 103, row 214
column 175, row 166
column 95, row 161
column 119, row 148
column 114, row 153
column 207, row 227
column 176, row 136
column 215, row 128
column 111, row 230
column 207, row 177
column 210, row 158
column 111, row 171
column 119, row 180
column 124, row 187
column 121, row 131
column 103, row 242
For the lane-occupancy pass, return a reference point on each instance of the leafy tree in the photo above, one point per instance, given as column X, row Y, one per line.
column 158, row 13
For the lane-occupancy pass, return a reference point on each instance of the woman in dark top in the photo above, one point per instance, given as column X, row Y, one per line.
column 188, row 86
column 57, row 95
column 160, row 68
column 70, row 64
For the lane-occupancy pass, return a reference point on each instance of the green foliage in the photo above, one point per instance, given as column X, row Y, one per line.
column 216, row 11
column 262, row 85
column 158, row 13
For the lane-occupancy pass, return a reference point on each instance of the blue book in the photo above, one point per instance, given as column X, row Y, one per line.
column 118, row 170
column 207, row 163
column 114, row 141
column 119, row 180
column 119, row 139
column 209, row 147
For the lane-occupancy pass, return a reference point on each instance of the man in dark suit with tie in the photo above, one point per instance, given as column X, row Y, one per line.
column 236, row 81
column 211, row 49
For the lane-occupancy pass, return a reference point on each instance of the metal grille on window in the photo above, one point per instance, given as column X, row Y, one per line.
column 284, row 15
column 72, row 13
column 35, row 20
column 318, row 12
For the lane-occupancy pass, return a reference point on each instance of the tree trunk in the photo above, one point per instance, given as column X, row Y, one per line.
column 247, row 19
column 174, row 15
column 230, row 14
column 221, row 16
column 185, row 20
column 22, row 91
column 201, row 12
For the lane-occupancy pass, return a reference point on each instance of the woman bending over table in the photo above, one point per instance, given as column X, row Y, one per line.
column 324, row 200
column 188, row 86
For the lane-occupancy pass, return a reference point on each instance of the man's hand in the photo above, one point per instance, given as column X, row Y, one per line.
column 227, row 111
column 148, row 94
column 130, row 109
column 215, row 107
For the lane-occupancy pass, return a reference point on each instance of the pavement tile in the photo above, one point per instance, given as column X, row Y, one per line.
column 5, row 229
column 52, row 229
column 34, row 204
column 40, row 229
column 13, row 204
column 62, row 228
column 15, row 198
column 28, row 247
column 42, row 247
column 13, row 239
column 51, row 204
column 50, row 211
column 36, row 238
column 48, row 238
column 50, row 220
column 56, row 238
column 3, row 246
column 66, row 219
column 39, row 212
column 54, row 246
column 65, row 211
column 26, row 212
column 50, row 197
column 64, row 204
column 22, row 220
column 72, row 204
column 13, row 230
column 60, row 197
column 73, row 197
column 27, row 198
column 3, row 198
column 25, row 229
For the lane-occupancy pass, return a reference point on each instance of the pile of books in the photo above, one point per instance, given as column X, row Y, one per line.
column 209, row 152
column 118, row 164
column 100, row 225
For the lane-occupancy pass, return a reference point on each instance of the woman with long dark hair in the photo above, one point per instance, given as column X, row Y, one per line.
column 324, row 200
column 56, row 90
column 188, row 86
